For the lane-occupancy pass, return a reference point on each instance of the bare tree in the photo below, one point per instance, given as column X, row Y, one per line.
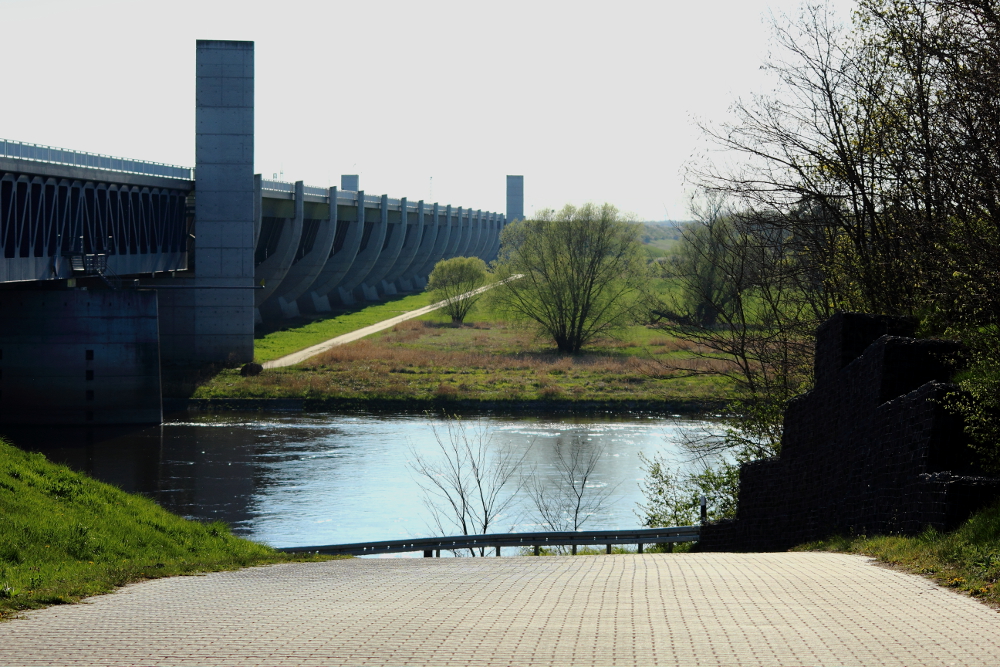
column 743, row 294
column 472, row 483
column 568, row 504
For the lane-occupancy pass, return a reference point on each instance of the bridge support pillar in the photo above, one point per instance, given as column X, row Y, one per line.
column 216, row 325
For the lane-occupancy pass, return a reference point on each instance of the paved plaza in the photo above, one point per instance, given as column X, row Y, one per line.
column 684, row 609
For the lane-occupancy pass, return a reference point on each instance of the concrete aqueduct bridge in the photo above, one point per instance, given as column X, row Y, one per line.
column 109, row 266
column 310, row 255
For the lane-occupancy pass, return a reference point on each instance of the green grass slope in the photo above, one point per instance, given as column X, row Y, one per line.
column 64, row 536
column 296, row 336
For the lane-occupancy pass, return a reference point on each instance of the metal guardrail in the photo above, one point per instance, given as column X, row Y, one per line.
column 316, row 190
column 41, row 153
column 277, row 186
column 428, row 545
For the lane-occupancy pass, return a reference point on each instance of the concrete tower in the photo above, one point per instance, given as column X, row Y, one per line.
column 515, row 198
column 224, row 202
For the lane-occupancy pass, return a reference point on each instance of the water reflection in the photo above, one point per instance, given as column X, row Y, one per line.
column 321, row 478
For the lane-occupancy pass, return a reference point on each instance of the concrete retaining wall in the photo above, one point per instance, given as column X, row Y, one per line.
column 79, row 357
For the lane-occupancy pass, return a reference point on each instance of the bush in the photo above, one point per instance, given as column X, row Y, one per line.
column 454, row 281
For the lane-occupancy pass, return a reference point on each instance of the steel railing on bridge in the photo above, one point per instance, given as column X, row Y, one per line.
column 40, row 153
column 536, row 541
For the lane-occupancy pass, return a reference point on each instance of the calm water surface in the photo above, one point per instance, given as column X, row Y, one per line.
column 320, row 478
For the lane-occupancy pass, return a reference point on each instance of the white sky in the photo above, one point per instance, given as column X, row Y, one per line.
column 590, row 101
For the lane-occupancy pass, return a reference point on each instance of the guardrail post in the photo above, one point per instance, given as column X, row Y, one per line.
column 704, row 510
column 428, row 553
column 538, row 550
column 437, row 554
column 574, row 549
column 498, row 551
column 609, row 549
column 640, row 548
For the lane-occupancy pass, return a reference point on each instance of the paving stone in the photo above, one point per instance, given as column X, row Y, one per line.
column 672, row 609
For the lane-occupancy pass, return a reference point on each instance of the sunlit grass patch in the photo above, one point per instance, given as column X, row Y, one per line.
column 65, row 536
column 278, row 343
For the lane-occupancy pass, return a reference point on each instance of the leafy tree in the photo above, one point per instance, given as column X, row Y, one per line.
column 673, row 498
column 576, row 274
column 456, row 281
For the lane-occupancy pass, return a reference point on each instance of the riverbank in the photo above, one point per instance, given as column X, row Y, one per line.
column 427, row 363
column 663, row 408
column 65, row 536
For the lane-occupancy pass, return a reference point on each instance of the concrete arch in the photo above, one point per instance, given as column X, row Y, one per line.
column 475, row 233
column 483, row 223
column 414, row 229
column 307, row 264
column 441, row 238
column 395, row 236
column 371, row 247
column 494, row 250
column 465, row 224
column 455, row 234
column 275, row 265
column 489, row 229
column 410, row 279
column 349, row 234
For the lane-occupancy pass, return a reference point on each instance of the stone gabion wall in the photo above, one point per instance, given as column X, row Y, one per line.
column 870, row 450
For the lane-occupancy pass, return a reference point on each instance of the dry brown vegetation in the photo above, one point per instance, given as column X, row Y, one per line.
column 490, row 361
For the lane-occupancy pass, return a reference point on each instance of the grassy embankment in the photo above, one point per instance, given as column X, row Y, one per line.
column 967, row 559
column 426, row 361
column 65, row 536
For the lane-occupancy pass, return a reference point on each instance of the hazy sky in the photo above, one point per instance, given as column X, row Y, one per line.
column 591, row 101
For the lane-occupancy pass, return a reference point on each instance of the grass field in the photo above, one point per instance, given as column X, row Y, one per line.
column 287, row 337
column 65, row 536
column 488, row 359
column 967, row 559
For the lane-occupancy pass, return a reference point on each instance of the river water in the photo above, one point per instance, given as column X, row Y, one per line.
column 295, row 479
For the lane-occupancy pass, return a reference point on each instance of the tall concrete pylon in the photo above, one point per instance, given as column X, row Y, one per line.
column 205, row 324
column 515, row 198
